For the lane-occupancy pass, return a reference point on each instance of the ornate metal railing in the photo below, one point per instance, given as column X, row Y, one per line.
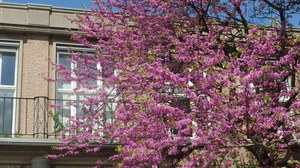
column 32, row 117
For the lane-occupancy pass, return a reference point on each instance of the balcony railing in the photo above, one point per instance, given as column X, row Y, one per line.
column 32, row 117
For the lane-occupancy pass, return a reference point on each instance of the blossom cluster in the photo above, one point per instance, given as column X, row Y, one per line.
column 190, row 89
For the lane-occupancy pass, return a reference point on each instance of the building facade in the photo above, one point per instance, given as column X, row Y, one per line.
column 33, row 36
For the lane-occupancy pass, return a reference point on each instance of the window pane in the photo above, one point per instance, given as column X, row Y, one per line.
column 63, row 112
column 63, row 60
column 8, row 68
column 92, row 69
column 108, row 69
column 109, row 111
column 6, row 112
column 80, row 99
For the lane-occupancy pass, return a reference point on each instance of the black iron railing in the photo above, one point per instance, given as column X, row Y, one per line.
column 33, row 117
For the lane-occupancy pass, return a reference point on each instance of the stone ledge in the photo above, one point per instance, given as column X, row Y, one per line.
column 29, row 141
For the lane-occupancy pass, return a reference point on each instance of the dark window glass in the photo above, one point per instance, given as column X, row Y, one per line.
column 8, row 68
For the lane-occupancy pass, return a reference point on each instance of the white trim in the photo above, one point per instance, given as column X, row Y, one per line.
column 8, row 49
column 28, row 141
column 7, row 87
column 0, row 68
column 76, row 96
column 80, row 49
column 100, row 82
column 9, row 44
column 11, row 47
column 69, row 92
column 288, row 83
column 15, row 93
column 63, row 52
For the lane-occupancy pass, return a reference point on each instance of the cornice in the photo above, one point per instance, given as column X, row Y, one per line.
column 34, row 29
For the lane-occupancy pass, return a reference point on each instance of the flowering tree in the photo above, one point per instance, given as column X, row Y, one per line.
column 195, row 81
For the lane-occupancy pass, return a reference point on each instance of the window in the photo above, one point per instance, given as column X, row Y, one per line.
column 65, row 90
column 289, row 85
column 8, row 74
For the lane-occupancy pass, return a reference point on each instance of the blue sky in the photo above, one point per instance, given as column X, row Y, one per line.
column 58, row 3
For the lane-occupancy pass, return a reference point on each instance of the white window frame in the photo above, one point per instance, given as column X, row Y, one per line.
column 61, row 49
column 289, row 86
column 12, row 47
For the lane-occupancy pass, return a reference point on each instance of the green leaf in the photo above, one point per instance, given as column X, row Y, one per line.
column 266, row 99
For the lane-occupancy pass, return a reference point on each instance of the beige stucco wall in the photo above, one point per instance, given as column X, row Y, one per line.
column 10, row 15
column 35, row 66
column 32, row 14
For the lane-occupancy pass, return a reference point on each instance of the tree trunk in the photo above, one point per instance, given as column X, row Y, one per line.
column 261, row 154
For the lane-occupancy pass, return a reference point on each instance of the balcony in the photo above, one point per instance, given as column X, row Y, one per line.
column 32, row 117
column 29, row 129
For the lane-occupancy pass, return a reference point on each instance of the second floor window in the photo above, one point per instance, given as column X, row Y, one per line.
column 8, row 78
column 65, row 91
